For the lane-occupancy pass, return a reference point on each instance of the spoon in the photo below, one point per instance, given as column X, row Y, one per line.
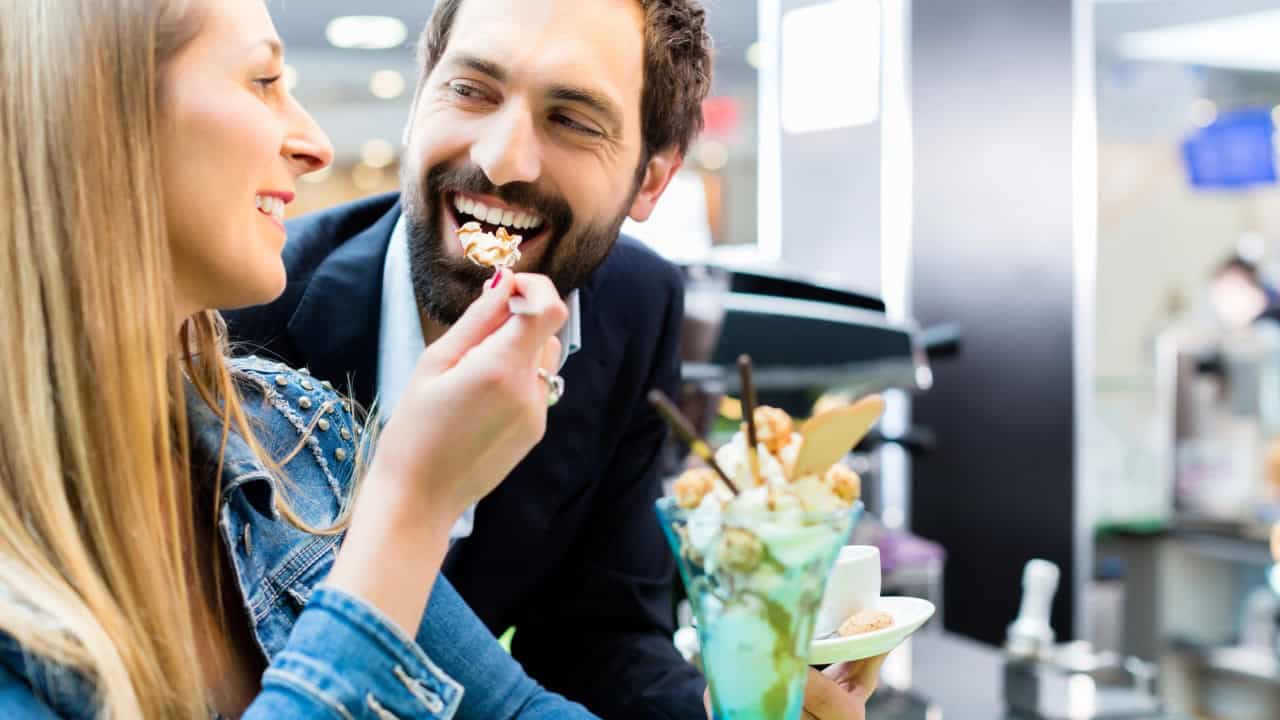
column 749, row 413
column 684, row 430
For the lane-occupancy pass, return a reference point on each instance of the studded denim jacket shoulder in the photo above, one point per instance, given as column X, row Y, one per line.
column 303, row 424
column 332, row 655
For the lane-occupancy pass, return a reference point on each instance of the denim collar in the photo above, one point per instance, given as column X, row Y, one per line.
column 242, row 469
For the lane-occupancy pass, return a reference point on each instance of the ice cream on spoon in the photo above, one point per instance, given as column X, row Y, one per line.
column 496, row 250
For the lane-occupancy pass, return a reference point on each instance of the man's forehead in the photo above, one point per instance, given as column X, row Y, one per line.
column 598, row 42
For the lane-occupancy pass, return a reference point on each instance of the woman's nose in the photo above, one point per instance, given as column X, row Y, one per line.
column 306, row 146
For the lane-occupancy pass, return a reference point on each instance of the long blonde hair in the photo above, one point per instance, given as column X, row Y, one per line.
column 96, row 519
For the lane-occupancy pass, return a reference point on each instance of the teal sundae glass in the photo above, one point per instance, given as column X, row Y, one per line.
column 755, row 581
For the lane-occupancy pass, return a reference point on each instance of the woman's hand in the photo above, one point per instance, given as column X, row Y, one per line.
column 474, row 408
column 475, row 405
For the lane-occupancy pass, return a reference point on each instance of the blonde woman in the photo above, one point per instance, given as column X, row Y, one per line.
column 170, row 520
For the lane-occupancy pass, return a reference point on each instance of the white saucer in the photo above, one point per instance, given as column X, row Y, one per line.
column 908, row 615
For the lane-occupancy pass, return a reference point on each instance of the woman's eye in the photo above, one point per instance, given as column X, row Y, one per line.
column 266, row 82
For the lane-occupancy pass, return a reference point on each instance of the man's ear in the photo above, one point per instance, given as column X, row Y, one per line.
column 658, row 172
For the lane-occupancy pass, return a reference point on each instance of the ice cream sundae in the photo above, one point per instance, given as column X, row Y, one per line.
column 756, row 530
column 774, row 487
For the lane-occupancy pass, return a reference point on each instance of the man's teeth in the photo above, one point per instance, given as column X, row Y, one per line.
column 270, row 205
column 494, row 216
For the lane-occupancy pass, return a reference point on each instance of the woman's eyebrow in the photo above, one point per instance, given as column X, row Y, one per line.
column 272, row 43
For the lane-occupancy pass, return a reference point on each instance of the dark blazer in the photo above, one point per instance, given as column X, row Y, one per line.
column 568, row 549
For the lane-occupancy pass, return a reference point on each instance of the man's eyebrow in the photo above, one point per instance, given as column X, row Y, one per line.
column 589, row 98
column 481, row 65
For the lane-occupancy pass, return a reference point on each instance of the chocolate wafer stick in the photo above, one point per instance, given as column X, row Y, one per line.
column 749, row 413
column 684, row 429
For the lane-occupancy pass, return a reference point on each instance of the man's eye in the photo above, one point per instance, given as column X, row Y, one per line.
column 467, row 91
column 575, row 126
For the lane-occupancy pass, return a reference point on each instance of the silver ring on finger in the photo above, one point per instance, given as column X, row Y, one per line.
column 555, row 387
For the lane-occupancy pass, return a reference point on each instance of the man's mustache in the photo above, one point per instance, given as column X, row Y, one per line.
column 552, row 207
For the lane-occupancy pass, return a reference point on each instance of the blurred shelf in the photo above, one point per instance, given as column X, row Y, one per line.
column 1241, row 662
column 1234, row 542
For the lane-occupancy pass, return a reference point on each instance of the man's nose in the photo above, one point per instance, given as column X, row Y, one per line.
column 508, row 150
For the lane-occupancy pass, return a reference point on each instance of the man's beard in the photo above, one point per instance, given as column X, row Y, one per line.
column 446, row 285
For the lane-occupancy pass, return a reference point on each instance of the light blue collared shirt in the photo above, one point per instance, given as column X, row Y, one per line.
column 400, row 341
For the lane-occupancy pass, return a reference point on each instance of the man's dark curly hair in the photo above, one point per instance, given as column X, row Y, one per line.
column 677, row 67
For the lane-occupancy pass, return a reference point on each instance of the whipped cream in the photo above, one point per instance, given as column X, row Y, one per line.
column 732, row 458
column 774, row 515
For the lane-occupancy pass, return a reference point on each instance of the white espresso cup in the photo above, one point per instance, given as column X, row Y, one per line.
column 853, row 586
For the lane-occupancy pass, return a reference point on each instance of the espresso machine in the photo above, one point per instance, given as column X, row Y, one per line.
column 806, row 341
column 1218, row 399
column 1044, row 680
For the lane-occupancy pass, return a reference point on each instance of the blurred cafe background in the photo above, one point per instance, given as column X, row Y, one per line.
column 1049, row 230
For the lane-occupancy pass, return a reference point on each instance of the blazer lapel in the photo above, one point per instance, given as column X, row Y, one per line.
column 336, row 323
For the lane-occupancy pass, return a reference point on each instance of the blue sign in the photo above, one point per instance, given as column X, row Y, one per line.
column 1235, row 152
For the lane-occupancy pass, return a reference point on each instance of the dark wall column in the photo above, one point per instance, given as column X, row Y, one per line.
column 992, row 100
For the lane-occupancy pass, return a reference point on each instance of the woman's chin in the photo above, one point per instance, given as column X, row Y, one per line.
column 248, row 291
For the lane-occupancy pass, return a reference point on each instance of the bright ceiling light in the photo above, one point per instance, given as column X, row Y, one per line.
column 387, row 84
column 831, row 66
column 755, row 55
column 366, row 32
column 1245, row 42
column 378, row 153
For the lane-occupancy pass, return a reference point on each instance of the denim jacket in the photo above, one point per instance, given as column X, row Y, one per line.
column 331, row 655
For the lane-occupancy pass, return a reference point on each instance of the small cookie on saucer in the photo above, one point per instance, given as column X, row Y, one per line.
column 864, row 622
